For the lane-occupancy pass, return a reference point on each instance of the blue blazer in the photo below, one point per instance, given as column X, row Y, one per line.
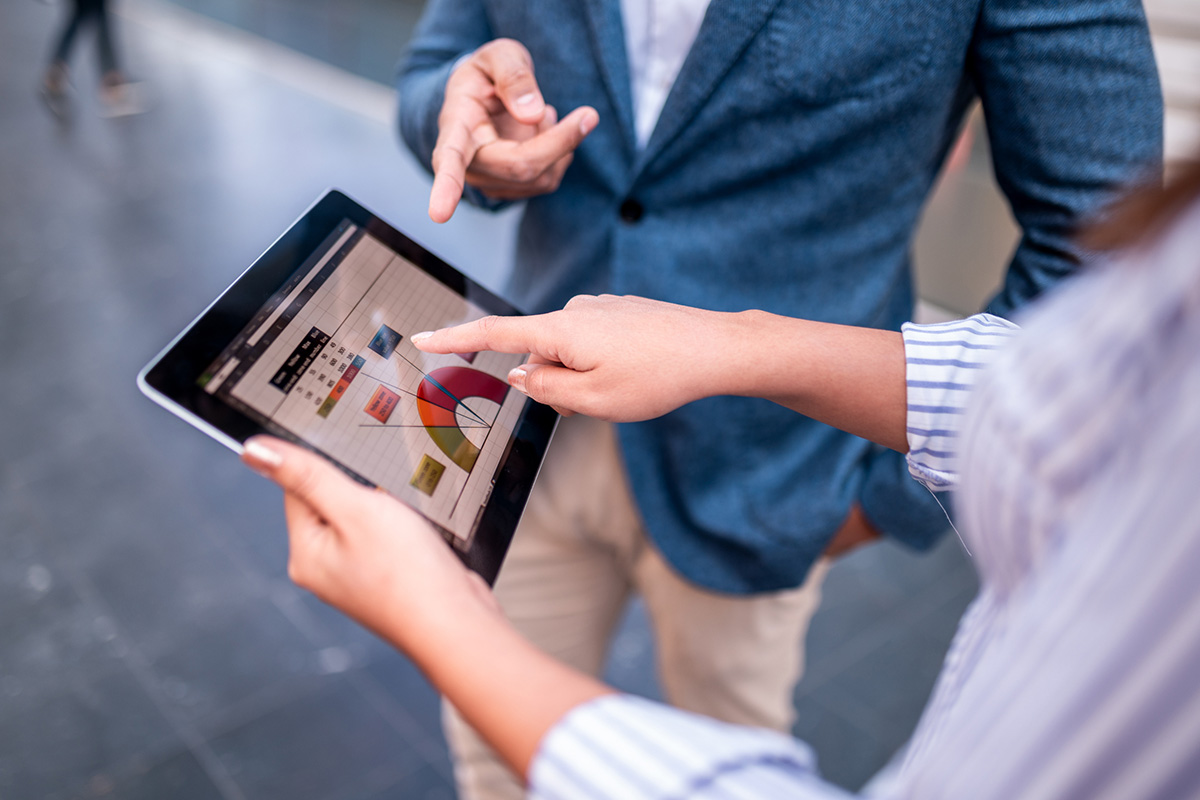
column 786, row 173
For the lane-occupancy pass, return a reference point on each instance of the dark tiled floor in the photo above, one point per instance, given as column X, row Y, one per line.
column 150, row 643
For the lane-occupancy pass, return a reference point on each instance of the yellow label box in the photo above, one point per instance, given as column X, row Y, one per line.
column 428, row 473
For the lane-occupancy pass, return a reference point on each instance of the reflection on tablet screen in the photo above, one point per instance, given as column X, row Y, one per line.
column 328, row 359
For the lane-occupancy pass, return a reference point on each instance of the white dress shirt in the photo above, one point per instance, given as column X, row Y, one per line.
column 1076, row 671
column 658, row 36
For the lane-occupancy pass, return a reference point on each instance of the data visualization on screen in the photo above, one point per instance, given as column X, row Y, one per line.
column 329, row 360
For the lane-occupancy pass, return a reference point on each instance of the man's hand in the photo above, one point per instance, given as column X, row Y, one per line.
column 855, row 532
column 496, row 133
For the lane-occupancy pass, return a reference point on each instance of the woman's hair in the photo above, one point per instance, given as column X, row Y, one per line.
column 1143, row 214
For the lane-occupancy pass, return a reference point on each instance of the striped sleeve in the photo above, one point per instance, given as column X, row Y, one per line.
column 943, row 362
column 619, row 746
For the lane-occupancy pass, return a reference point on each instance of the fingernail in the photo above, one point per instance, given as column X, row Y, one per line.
column 262, row 455
column 587, row 123
column 516, row 377
column 526, row 99
column 417, row 338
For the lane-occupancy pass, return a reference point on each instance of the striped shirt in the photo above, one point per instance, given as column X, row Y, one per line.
column 1075, row 450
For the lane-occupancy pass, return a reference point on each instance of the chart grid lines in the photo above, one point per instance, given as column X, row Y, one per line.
column 430, row 429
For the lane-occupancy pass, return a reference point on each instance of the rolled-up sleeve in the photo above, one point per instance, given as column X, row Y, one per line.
column 943, row 362
column 626, row 747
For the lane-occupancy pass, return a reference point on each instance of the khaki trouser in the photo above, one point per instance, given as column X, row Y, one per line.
column 579, row 553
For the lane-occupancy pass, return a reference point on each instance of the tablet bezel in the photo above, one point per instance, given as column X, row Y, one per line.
column 170, row 379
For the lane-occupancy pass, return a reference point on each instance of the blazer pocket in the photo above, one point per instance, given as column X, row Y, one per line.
column 824, row 51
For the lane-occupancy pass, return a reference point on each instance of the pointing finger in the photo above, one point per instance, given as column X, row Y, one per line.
column 453, row 153
column 501, row 334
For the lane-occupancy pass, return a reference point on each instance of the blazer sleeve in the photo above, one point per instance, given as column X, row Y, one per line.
column 1073, row 107
column 448, row 30
column 1074, row 112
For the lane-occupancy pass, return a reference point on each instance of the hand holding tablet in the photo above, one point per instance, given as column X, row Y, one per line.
column 312, row 345
column 364, row 552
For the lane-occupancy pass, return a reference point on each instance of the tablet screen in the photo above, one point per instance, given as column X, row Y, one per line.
column 328, row 360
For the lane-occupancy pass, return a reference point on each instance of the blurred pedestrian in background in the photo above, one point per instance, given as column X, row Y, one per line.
column 119, row 96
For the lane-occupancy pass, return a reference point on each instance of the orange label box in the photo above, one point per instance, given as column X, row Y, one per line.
column 382, row 404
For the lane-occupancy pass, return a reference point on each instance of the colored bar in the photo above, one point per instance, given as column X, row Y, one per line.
column 341, row 387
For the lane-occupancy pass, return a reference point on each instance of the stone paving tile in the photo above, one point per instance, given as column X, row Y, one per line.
column 64, row 726
column 427, row 783
column 631, row 664
column 229, row 656
column 847, row 754
column 399, row 677
column 328, row 744
column 178, row 777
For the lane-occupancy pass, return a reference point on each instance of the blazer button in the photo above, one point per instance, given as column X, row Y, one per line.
column 631, row 210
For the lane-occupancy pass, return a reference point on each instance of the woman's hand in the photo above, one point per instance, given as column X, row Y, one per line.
column 622, row 359
column 626, row 359
column 365, row 552
column 384, row 565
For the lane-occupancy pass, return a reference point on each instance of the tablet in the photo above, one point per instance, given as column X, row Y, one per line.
column 312, row 344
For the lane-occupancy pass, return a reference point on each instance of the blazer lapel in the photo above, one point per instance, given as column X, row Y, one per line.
column 728, row 27
column 608, row 42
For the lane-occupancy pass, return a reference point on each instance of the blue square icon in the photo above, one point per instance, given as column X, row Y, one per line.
column 385, row 341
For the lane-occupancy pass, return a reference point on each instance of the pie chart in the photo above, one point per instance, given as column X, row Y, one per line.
column 438, row 399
